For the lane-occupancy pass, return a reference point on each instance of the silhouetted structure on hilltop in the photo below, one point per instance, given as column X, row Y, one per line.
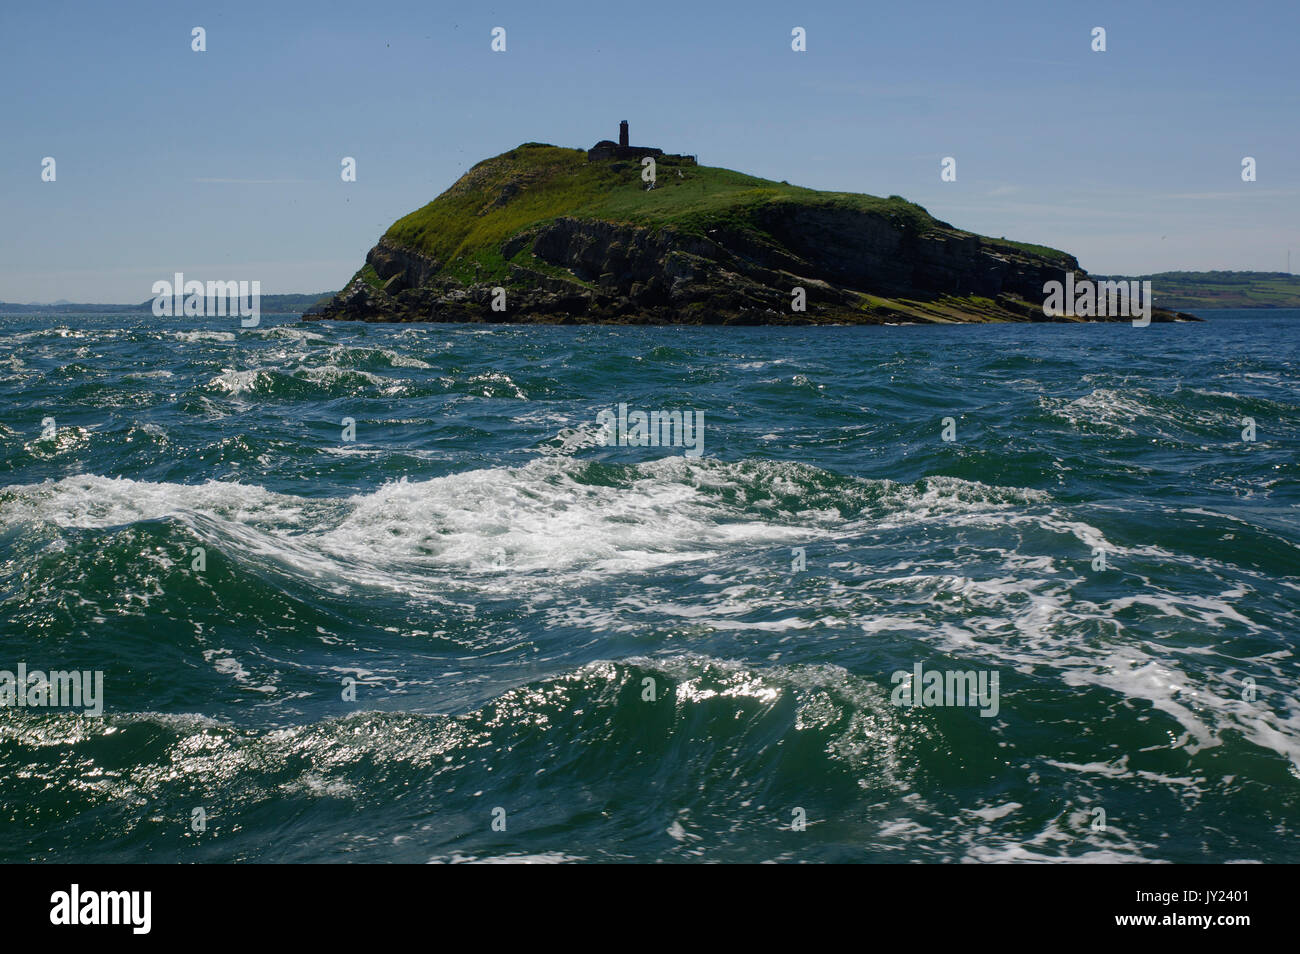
column 607, row 149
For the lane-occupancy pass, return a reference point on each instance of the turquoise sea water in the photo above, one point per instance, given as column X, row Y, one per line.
column 606, row 647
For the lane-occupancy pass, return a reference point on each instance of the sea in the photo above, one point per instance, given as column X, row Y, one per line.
column 342, row 592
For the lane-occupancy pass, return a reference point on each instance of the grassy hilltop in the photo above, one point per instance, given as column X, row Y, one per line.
column 536, row 183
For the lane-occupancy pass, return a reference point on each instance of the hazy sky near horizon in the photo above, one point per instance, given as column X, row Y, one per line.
column 225, row 164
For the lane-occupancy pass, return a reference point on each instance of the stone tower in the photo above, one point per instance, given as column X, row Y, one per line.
column 607, row 149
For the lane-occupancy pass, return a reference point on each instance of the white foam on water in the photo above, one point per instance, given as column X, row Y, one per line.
column 539, row 531
column 538, row 518
column 394, row 358
column 510, row 858
column 1037, row 625
column 1124, row 409
column 283, row 332
column 352, row 451
column 419, row 535
column 328, row 374
column 239, row 382
column 225, row 337
column 487, row 382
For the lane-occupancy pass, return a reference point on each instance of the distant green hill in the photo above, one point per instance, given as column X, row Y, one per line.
column 1194, row 291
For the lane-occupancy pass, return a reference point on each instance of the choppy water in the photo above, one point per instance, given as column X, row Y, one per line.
column 502, row 587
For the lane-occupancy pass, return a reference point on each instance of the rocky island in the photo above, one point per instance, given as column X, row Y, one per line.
column 631, row 235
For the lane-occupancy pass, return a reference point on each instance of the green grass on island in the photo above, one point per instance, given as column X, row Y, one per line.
column 465, row 227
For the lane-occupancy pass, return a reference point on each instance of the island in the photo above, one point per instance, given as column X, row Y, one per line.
column 634, row 235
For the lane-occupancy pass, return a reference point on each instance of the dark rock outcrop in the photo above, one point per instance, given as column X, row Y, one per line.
column 854, row 268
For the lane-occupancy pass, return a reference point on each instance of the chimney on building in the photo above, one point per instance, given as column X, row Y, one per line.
column 622, row 133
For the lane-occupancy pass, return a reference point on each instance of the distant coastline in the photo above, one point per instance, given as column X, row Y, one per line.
column 1180, row 291
column 1198, row 291
column 271, row 304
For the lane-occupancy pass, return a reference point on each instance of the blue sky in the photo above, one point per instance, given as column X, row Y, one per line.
column 225, row 164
